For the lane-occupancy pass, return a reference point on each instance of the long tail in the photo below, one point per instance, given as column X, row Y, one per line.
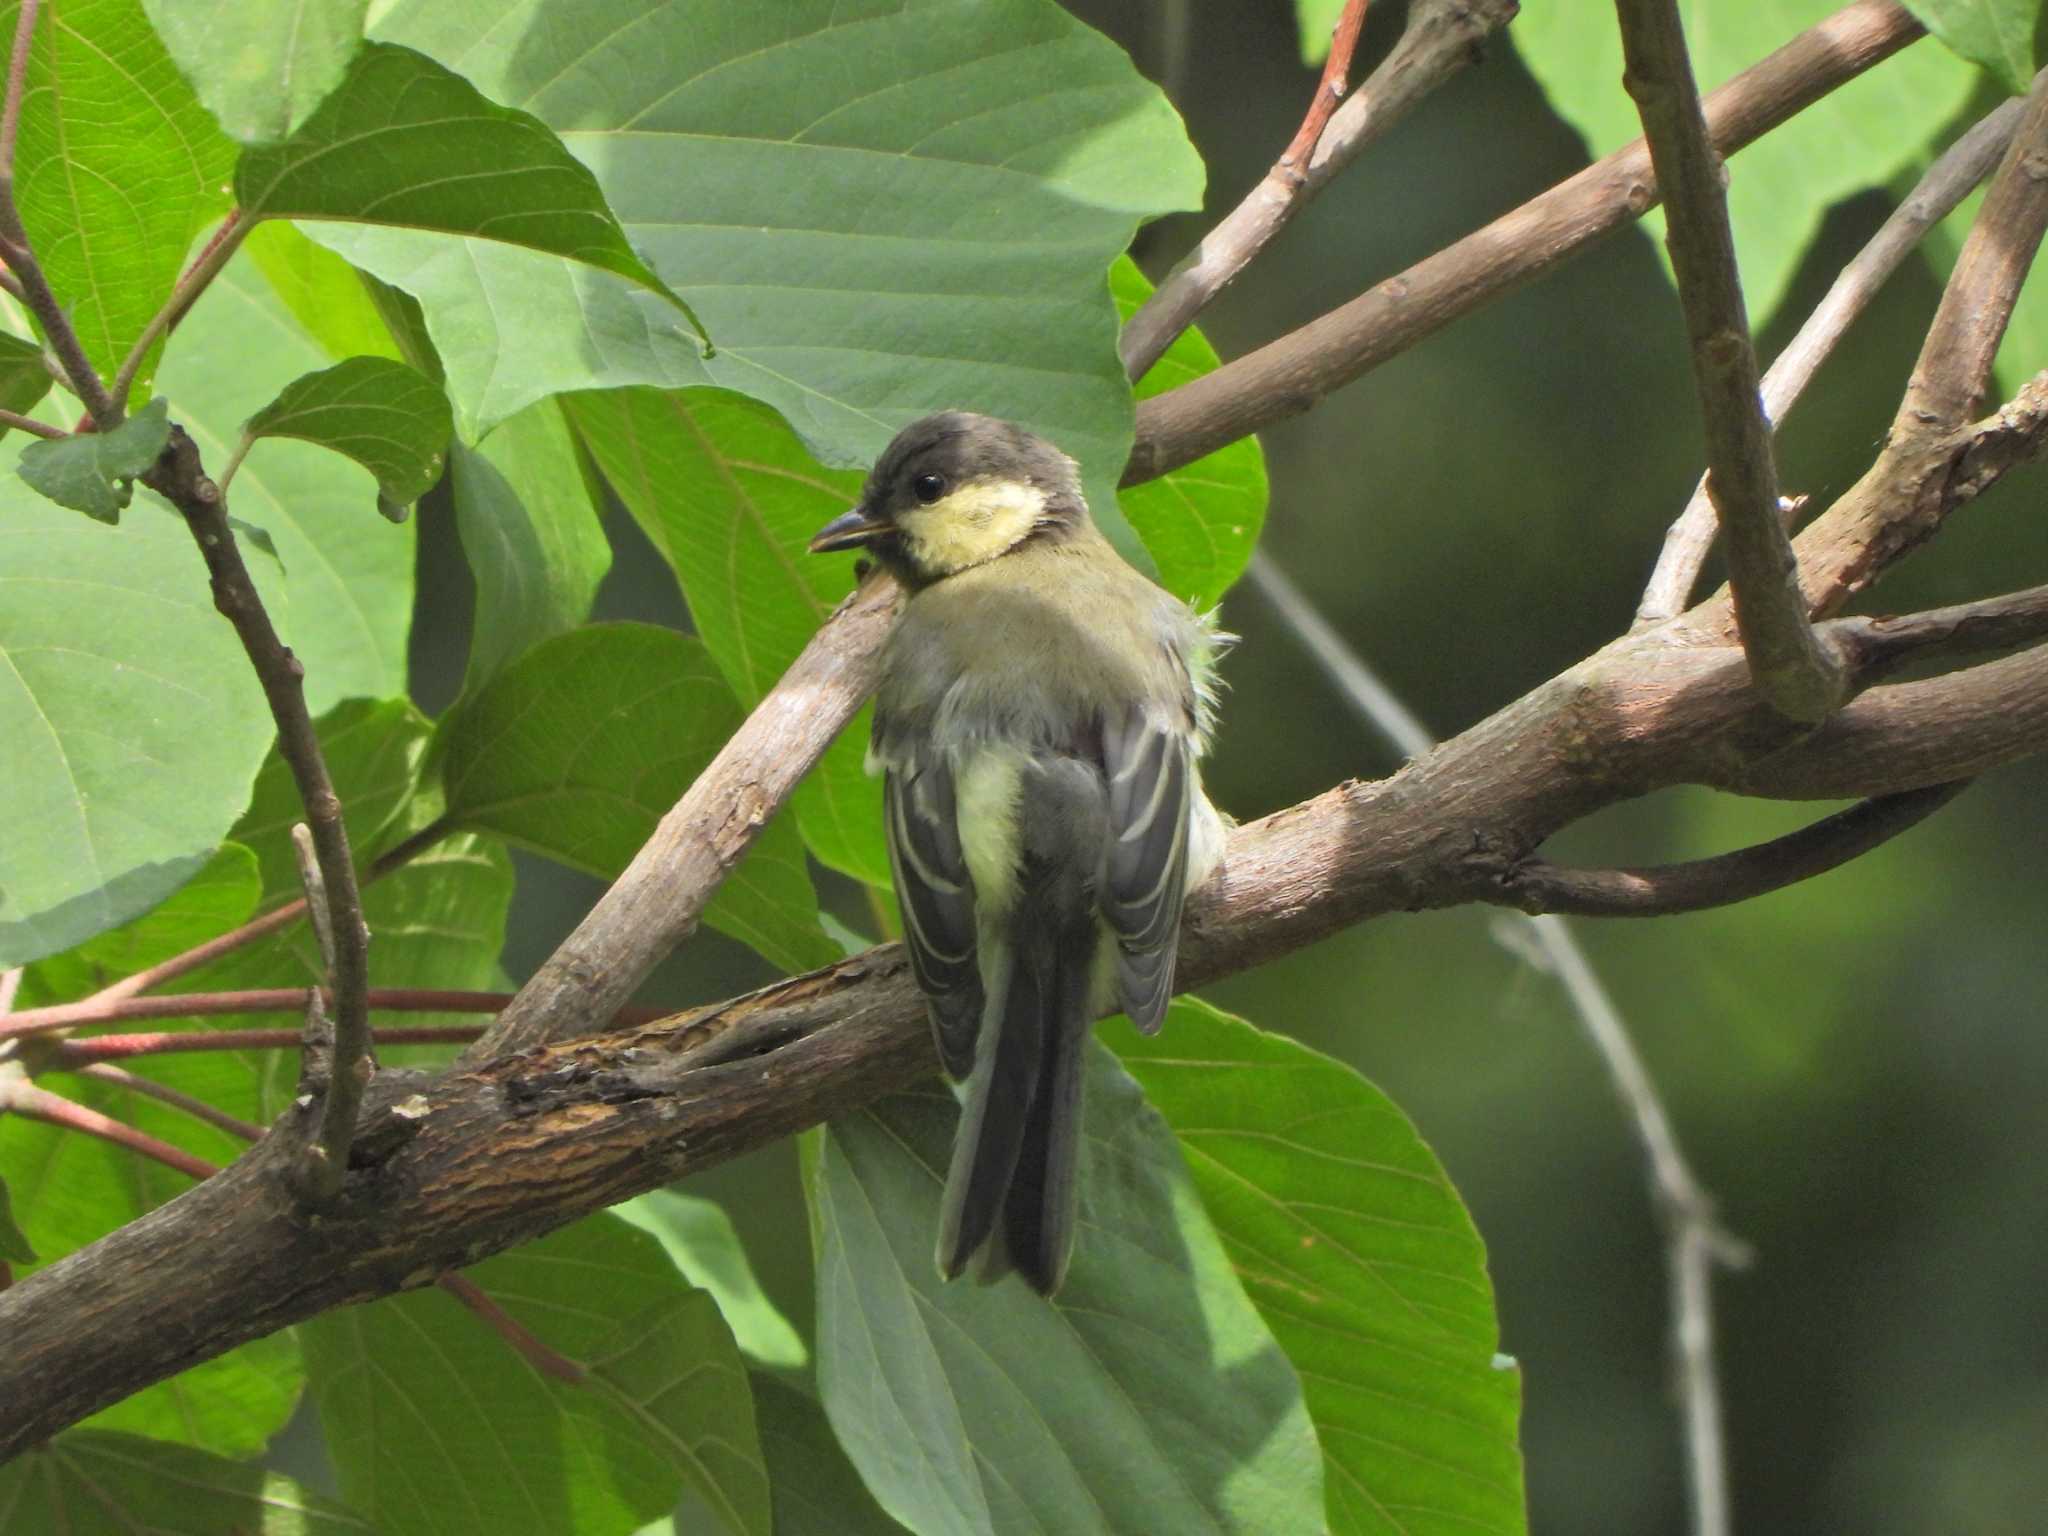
column 1010, row 1190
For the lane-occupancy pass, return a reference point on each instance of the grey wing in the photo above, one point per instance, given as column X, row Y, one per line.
column 1150, row 767
column 937, row 899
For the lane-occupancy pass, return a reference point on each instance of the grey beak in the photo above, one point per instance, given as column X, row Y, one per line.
column 849, row 530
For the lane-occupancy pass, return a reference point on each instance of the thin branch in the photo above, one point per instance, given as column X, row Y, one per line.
column 68, row 1053
column 260, row 927
column 19, row 1096
column 1662, row 890
column 15, row 250
column 1947, row 182
column 1954, row 369
column 179, row 478
column 1330, row 89
column 218, row 252
column 1694, row 1238
column 1793, row 673
column 655, row 904
column 548, row 1361
column 1441, row 38
column 10, row 986
column 17, row 84
column 1288, row 376
column 23, row 423
column 163, row 1093
column 91, row 1012
column 11, row 285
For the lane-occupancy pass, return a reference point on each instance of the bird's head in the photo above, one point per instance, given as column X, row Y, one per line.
column 956, row 490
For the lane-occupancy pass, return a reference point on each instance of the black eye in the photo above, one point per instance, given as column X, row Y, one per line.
column 928, row 488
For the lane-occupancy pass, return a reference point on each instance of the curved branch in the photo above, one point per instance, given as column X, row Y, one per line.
column 1286, row 377
column 1664, row 889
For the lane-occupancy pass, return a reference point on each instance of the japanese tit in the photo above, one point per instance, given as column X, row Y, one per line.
column 1037, row 724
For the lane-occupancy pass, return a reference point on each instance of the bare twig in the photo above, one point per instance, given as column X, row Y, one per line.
column 91, row 1012
column 1947, row 182
column 30, row 285
column 655, row 904
column 1954, row 370
column 163, row 1093
column 1441, row 38
column 1793, row 673
column 1288, row 376
column 10, row 987
column 1694, row 1238
column 1329, row 93
column 549, row 1362
column 122, row 1047
column 179, row 478
column 29, row 424
column 1661, row 890
column 261, row 927
column 19, row 1096
column 218, row 252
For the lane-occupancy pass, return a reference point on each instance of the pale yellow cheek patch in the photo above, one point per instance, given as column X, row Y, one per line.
column 973, row 525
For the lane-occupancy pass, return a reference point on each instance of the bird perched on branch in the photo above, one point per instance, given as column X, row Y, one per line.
column 1040, row 712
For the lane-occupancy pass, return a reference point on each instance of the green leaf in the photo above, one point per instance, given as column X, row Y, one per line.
column 1998, row 34
column 1200, row 522
column 436, row 1425
column 14, row 1244
column 817, row 1491
column 99, row 625
column 23, row 378
column 698, row 1237
column 529, row 519
column 260, row 69
column 877, row 212
column 1782, row 186
column 93, row 1481
column 117, row 168
column 391, row 419
column 1147, row 1396
column 94, row 472
column 577, row 749
column 1360, row 1257
column 380, row 149
column 727, row 493
column 344, row 598
column 221, row 896
column 324, row 294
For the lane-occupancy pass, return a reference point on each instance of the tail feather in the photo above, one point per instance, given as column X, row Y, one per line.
column 1010, row 1189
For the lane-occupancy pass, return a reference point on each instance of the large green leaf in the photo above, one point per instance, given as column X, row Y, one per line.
column 15, row 1247
column 1783, row 185
column 97, row 625
column 94, row 472
column 323, row 293
column 381, row 148
column 1148, row 1396
column 528, row 516
column 391, row 419
column 727, row 493
column 817, row 1491
column 261, row 69
column 436, row 1425
column 2001, row 35
column 1356, row 1250
column 23, row 378
column 344, row 599
column 1201, row 522
column 577, row 749
column 91, row 1481
column 117, row 168
column 699, row 1239
column 878, row 209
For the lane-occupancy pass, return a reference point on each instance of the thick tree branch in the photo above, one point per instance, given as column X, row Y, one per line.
column 1441, row 37
column 655, row 904
column 1662, row 890
column 1288, row 376
column 1947, row 182
column 178, row 477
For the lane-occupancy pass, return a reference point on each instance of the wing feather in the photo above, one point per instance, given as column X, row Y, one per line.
column 936, row 896
column 1150, row 766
